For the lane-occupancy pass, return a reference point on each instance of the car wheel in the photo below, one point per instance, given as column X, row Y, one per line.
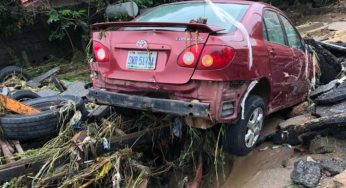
column 12, row 75
column 24, row 95
column 242, row 136
column 40, row 125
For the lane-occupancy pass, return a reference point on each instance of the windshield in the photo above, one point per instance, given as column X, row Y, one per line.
column 187, row 12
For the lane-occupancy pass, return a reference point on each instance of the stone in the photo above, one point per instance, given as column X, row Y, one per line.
column 298, row 120
column 322, row 145
column 309, row 158
column 332, row 166
column 298, row 110
column 306, row 173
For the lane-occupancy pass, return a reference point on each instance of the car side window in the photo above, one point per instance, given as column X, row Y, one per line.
column 292, row 35
column 275, row 33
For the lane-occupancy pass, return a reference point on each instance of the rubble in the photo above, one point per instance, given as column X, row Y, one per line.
column 322, row 145
column 328, row 63
column 76, row 88
column 299, row 110
column 306, row 173
column 324, row 88
column 331, row 97
column 296, row 120
column 325, row 111
column 332, row 166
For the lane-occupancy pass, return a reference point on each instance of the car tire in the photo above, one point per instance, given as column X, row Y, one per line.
column 239, row 139
column 6, row 71
column 24, row 95
column 41, row 125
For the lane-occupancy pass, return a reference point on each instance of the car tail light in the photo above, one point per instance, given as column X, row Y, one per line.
column 190, row 55
column 215, row 57
column 100, row 52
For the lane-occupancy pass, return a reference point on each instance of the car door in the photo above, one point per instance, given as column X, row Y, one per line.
column 298, row 76
column 280, row 57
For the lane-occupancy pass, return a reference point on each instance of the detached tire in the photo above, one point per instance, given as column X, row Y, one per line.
column 24, row 95
column 242, row 136
column 41, row 125
column 13, row 70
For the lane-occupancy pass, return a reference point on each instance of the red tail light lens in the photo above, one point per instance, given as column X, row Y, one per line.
column 190, row 55
column 215, row 57
column 100, row 52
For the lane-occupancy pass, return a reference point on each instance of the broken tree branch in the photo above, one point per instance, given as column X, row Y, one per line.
column 26, row 166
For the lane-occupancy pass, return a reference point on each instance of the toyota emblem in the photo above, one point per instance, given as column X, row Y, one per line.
column 141, row 43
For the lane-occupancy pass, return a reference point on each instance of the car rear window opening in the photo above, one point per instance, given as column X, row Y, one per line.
column 185, row 12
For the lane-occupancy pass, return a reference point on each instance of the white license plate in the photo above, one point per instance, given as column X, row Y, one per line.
column 141, row 60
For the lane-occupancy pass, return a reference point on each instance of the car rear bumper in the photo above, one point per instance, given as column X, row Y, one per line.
column 177, row 107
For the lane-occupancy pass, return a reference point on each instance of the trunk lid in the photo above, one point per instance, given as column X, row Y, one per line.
column 149, row 54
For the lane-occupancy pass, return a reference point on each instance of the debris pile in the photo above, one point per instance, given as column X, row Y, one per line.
column 93, row 145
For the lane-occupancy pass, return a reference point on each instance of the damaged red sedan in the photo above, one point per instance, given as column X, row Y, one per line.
column 227, row 62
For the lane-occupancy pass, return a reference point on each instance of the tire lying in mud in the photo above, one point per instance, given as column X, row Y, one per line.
column 41, row 125
column 9, row 71
column 24, row 95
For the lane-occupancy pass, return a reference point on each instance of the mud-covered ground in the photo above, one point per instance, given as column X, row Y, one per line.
column 271, row 166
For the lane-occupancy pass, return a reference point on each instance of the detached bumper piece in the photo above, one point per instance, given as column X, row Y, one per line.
column 149, row 104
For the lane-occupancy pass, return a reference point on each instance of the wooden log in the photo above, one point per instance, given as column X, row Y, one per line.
column 319, row 124
column 17, row 145
column 38, row 80
column 6, row 151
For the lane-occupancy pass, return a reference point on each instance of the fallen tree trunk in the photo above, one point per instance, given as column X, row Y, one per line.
column 319, row 124
column 293, row 134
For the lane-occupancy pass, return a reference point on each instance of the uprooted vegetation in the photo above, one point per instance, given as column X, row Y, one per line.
column 120, row 151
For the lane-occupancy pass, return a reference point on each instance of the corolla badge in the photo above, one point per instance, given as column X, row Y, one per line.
column 142, row 44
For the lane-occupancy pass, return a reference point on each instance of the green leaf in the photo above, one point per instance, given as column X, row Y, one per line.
column 66, row 12
column 53, row 16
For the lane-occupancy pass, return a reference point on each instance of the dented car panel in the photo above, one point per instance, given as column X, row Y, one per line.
column 177, row 75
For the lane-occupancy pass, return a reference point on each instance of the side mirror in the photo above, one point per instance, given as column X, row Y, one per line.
column 128, row 8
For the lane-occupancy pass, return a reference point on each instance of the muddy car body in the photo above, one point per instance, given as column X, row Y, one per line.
column 200, row 70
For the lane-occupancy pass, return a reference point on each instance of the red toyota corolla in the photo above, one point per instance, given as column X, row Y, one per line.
column 193, row 60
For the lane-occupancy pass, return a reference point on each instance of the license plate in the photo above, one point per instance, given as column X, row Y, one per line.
column 141, row 60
